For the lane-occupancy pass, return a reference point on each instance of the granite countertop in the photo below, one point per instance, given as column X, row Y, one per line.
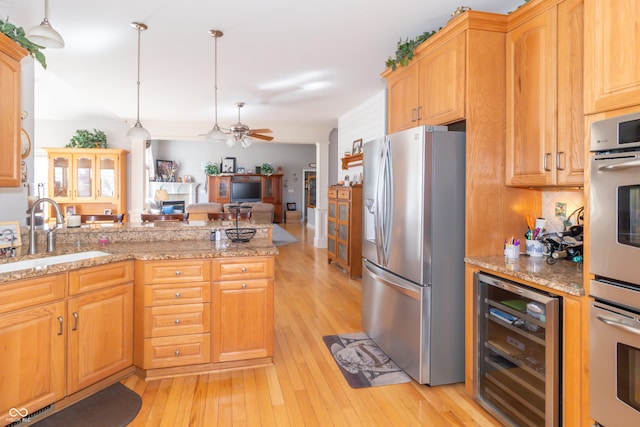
column 138, row 242
column 564, row 275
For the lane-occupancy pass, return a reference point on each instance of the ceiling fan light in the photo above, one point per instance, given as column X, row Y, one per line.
column 216, row 135
column 246, row 142
column 45, row 35
column 231, row 141
column 138, row 131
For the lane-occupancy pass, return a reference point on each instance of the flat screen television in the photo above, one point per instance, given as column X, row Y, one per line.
column 245, row 192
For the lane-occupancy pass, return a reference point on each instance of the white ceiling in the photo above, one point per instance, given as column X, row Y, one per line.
column 298, row 65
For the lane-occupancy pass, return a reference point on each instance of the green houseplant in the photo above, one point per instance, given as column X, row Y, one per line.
column 405, row 50
column 211, row 169
column 17, row 34
column 87, row 139
column 266, row 169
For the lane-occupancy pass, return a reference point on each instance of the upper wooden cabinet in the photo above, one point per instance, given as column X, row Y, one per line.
column 431, row 90
column 91, row 179
column 612, row 66
column 545, row 137
column 10, row 55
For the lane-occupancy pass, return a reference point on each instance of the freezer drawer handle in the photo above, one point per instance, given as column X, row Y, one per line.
column 399, row 286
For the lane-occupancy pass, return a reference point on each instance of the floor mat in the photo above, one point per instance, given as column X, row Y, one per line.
column 281, row 236
column 114, row 406
column 362, row 362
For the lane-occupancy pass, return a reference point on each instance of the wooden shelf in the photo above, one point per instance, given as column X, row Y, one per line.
column 354, row 160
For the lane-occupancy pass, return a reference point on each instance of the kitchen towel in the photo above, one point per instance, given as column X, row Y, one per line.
column 362, row 362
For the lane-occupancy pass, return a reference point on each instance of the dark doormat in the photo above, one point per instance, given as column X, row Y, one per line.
column 362, row 362
column 114, row 406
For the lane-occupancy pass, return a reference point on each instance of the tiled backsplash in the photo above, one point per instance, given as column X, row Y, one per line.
column 571, row 199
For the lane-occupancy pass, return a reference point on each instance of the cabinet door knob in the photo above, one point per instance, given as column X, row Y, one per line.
column 545, row 162
column 60, row 321
column 419, row 113
column 244, row 285
column 559, row 156
column 177, row 353
column 244, row 269
column 177, row 294
column 75, row 321
column 177, row 321
column 178, row 272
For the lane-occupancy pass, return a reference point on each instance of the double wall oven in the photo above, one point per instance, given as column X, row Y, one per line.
column 615, row 260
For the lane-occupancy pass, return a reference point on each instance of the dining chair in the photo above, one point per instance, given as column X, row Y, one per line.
column 90, row 218
column 165, row 217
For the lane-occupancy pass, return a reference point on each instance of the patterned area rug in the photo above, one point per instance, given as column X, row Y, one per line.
column 362, row 362
column 281, row 236
column 115, row 406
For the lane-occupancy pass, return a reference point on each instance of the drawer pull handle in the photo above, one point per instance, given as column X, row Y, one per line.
column 75, row 321
column 177, row 321
column 244, row 269
column 177, row 353
column 60, row 321
column 178, row 272
column 244, row 285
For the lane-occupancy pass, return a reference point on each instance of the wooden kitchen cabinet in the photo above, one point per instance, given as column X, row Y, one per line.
column 92, row 180
column 172, row 313
column 612, row 66
column 32, row 343
column 431, row 89
column 545, row 136
column 242, row 324
column 99, row 323
column 345, row 228
column 10, row 123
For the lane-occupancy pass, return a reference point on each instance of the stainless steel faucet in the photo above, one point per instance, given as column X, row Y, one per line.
column 32, row 227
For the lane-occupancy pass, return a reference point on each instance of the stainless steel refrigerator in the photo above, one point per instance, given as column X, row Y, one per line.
column 413, row 251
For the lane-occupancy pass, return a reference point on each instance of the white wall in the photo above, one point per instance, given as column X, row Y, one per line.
column 367, row 121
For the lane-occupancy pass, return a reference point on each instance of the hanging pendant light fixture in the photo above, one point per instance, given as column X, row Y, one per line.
column 44, row 34
column 137, row 131
column 216, row 134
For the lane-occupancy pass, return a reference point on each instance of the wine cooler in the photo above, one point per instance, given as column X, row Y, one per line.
column 517, row 372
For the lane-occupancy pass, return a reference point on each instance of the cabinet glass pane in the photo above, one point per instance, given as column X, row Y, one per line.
column 342, row 232
column 342, row 251
column 331, row 246
column 83, row 176
column 343, row 212
column 223, row 188
column 331, row 229
column 107, row 177
column 61, row 170
column 332, row 210
column 267, row 189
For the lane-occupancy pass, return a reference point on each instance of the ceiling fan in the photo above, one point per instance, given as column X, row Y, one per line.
column 239, row 132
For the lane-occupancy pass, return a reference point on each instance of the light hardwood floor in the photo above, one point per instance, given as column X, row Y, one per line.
column 304, row 386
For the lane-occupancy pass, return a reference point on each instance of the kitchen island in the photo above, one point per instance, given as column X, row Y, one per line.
column 157, row 299
column 563, row 279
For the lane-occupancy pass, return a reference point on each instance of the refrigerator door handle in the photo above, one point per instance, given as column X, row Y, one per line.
column 378, row 207
column 400, row 285
column 385, row 202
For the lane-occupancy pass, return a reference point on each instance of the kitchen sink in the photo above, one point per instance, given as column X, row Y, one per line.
column 44, row 262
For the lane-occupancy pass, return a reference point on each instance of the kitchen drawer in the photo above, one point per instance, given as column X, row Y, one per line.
column 170, row 294
column 243, row 268
column 176, row 271
column 30, row 292
column 344, row 194
column 166, row 352
column 102, row 276
column 333, row 193
column 176, row 320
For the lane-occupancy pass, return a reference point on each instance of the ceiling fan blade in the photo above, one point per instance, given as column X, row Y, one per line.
column 264, row 137
column 261, row 131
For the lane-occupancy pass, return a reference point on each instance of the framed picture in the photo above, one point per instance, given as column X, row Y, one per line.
column 240, row 170
column 10, row 236
column 357, row 146
column 229, row 165
column 291, row 206
column 165, row 169
column 69, row 210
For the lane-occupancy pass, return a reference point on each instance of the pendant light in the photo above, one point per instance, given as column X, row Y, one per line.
column 137, row 131
column 216, row 134
column 44, row 34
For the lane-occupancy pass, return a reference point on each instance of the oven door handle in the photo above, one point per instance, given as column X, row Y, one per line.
column 617, row 324
column 621, row 165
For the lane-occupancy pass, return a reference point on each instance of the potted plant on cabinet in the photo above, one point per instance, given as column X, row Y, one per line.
column 87, row 139
column 211, row 169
